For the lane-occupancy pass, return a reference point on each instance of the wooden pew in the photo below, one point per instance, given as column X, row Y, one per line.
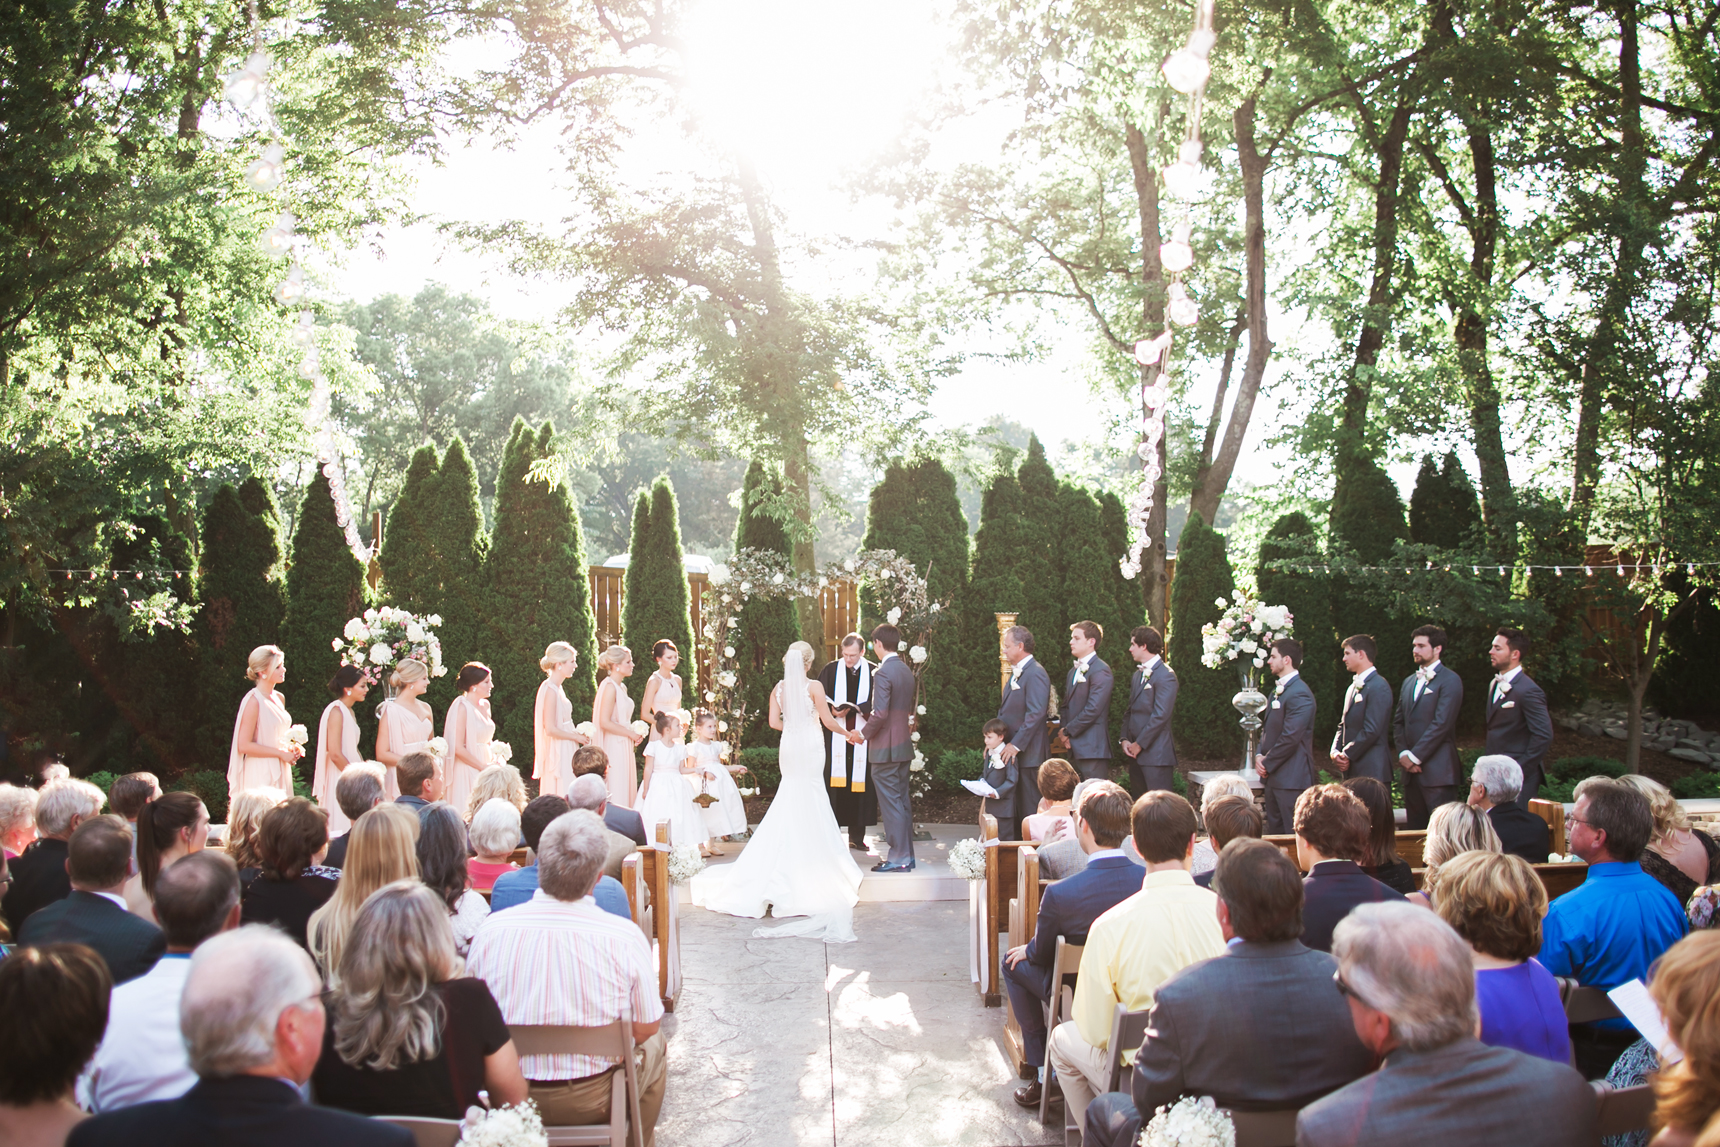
column 1286, row 843
column 1558, row 879
column 1001, row 871
column 1554, row 814
column 1410, row 843
column 1023, row 917
column 662, row 928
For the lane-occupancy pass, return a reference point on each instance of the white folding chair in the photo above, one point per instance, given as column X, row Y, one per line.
column 613, row 1042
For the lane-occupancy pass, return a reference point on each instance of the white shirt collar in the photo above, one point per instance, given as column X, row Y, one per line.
column 1103, row 853
column 1508, row 674
column 1083, row 662
column 1289, row 677
column 887, row 657
column 1363, row 675
column 1431, row 669
column 1147, row 665
column 120, row 900
column 1015, row 670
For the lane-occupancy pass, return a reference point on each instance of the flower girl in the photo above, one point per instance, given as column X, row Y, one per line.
column 665, row 794
column 728, row 816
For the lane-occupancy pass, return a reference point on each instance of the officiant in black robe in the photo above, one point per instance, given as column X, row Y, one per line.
column 848, row 683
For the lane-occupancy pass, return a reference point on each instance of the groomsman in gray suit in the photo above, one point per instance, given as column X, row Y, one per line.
column 890, row 747
column 1026, row 701
column 1518, row 724
column 1285, row 759
column 1087, row 704
column 1359, row 748
column 1426, row 728
column 1147, row 725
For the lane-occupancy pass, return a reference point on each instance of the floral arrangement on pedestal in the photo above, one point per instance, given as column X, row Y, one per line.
column 382, row 638
column 1244, row 633
column 1189, row 1122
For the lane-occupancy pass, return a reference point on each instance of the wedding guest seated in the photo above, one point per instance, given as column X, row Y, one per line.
column 39, row 873
column 1680, row 857
column 98, row 863
column 55, row 1000
column 600, row 968
column 497, row 782
column 142, row 1056
column 495, row 834
column 1686, row 986
column 591, row 793
column 1493, row 788
column 1452, row 830
column 1228, row 819
column 1057, row 781
column 359, row 790
column 420, row 780
column 17, row 819
column 1332, row 832
column 168, row 829
column 1267, row 984
column 1496, row 903
column 1381, row 860
column 252, row 1019
column 516, row 887
column 592, row 760
column 1410, row 985
column 442, row 866
column 291, row 884
column 1068, row 909
column 1223, row 785
column 1064, row 858
column 384, row 849
column 244, row 816
column 128, row 796
column 405, row 1035
column 1613, row 926
column 1136, row 946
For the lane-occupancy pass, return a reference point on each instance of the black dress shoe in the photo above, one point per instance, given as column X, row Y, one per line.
column 1029, row 1096
column 888, row 867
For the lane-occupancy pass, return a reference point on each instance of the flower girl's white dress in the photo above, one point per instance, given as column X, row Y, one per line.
column 727, row 817
column 670, row 797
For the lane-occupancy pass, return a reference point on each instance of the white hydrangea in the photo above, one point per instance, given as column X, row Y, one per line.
column 356, row 630
column 894, row 615
column 917, row 654
column 380, row 654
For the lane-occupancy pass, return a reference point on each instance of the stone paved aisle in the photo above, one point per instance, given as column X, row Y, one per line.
column 879, row 1042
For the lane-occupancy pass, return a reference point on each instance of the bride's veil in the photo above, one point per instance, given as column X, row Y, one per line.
column 794, row 679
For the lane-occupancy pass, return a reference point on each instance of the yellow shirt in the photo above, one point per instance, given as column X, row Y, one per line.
column 1138, row 945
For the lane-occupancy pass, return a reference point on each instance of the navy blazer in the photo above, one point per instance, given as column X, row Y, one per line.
column 130, row 944
column 38, row 879
column 1363, row 727
column 1025, row 704
column 1427, row 726
column 1148, row 721
column 621, row 819
column 1069, row 907
column 1287, row 741
column 1521, row 832
column 1087, row 711
column 1329, row 892
column 1519, row 726
column 236, row 1109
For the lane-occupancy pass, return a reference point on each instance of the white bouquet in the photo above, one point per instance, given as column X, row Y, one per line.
column 384, row 637
column 297, row 735
column 967, row 859
column 516, row 1126
column 437, row 747
column 586, row 729
column 641, row 728
column 1246, row 630
column 501, row 752
column 685, row 863
column 1189, row 1122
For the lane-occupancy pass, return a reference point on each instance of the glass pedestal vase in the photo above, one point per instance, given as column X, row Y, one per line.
column 1250, row 702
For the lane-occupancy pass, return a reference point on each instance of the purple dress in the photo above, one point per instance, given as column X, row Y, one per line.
column 1520, row 1008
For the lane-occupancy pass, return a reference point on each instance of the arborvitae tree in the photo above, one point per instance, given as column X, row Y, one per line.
column 1087, row 590
column 1206, row 722
column 242, row 601
column 1443, row 510
column 325, row 588
column 407, row 558
column 1365, row 524
column 916, row 512
column 455, row 528
column 1309, row 598
column 994, row 587
column 768, row 626
column 537, row 588
column 1040, row 561
column 153, row 678
column 1131, row 605
column 658, row 602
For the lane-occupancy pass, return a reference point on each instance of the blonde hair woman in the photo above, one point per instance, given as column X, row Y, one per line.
column 243, row 817
column 405, row 1036
column 383, row 848
column 260, row 756
column 498, row 782
column 554, row 737
column 1452, row 830
column 1686, row 985
column 404, row 723
column 1680, row 857
column 612, row 713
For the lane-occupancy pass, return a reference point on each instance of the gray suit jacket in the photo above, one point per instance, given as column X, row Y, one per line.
column 1087, row 711
column 1287, row 741
column 1061, row 858
column 1281, row 995
column 1148, row 721
column 1464, row 1092
column 1025, row 704
column 1428, row 727
column 1363, row 728
column 888, row 737
column 1519, row 726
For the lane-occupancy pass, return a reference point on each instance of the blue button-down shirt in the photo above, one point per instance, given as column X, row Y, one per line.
column 516, row 887
column 1609, row 929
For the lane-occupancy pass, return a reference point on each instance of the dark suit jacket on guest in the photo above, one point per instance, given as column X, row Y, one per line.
column 1464, row 1092
column 130, row 944
column 1363, row 727
column 1026, row 701
column 627, row 822
column 888, row 736
column 1087, row 711
column 1329, row 892
column 1519, row 727
column 1152, row 697
column 1428, row 727
column 1521, row 832
column 238, row 1109
column 1287, row 741
column 38, row 879
column 1069, row 907
column 336, row 856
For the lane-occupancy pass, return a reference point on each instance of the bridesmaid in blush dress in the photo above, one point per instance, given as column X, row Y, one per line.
column 662, row 688
column 468, row 728
column 337, row 742
column 555, row 737
column 612, row 713
column 260, row 756
column 404, row 723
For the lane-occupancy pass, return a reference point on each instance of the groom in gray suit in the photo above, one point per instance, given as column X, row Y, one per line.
column 890, row 747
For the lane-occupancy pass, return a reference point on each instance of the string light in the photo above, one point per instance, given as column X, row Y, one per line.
column 1181, row 310
column 1178, row 255
column 278, row 240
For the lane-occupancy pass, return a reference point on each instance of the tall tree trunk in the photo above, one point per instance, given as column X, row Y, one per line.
column 1498, row 500
column 1215, row 420
column 1154, row 581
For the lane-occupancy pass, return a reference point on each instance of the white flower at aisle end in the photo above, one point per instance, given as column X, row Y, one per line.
column 516, row 1126
column 967, row 859
column 501, row 752
column 1189, row 1122
column 685, row 863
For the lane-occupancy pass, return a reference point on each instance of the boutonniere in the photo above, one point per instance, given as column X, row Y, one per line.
column 1080, row 675
column 1015, row 683
column 1504, row 688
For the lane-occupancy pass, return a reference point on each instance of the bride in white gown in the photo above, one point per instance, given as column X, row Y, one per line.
column 796, row 863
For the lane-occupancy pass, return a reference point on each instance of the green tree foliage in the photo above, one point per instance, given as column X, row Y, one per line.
column 325, row 588
column 240, row 595
column 458, row 543
column 1205, row 719
column 1088, row 590
column 658, row 602
column 768, row 626
column 1131, row 606
column 1443, row 509
column 537, row 588
column 1309, row 598
column 408, row 556
column 995, row 586
column 1040, row 563
column 1367, row 522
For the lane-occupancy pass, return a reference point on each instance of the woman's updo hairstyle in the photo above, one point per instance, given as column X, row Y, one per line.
column 472, row 673
column 613, row 656
column 557, row 653
column 663, row 646
column 262, row 659
column 407, row 672
column 345, row 678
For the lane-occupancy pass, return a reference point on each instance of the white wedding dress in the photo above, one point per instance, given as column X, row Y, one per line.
column 796, row 863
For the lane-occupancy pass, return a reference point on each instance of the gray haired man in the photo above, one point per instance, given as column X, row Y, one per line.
column 1493, row 788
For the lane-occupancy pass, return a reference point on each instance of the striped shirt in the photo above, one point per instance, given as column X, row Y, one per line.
column 551, row 961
